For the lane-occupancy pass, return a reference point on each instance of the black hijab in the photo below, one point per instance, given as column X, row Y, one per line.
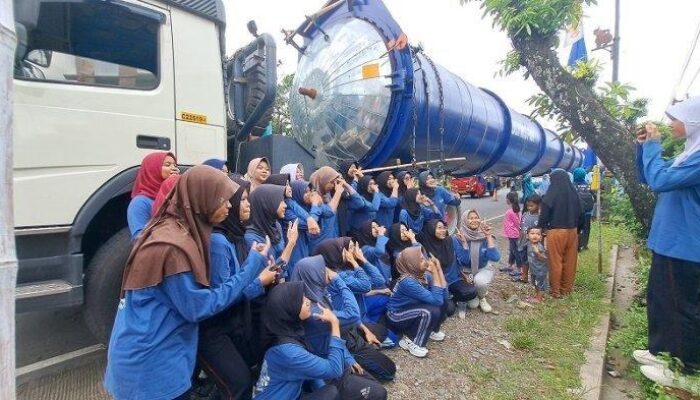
column 344, row 166
column 363, row 187
column 395, row 242
column 402, row 186
column 232, row 227
column 410, row 203
column 311, row 271
column 423, row 184
column 281, row 315
column 563, row 202
column 382, row 180
column 332, row 252
column 278, row 179
column 264, row 202
column 364, row 236
column 442, row 249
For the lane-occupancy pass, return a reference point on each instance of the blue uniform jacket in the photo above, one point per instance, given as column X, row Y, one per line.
column 153, row 345
column 409, row 292
column 675, row 227
column 138, row 214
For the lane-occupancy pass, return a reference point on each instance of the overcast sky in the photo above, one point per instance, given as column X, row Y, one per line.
column 655, row 40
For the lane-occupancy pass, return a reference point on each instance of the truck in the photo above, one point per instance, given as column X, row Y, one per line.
column 98, row 85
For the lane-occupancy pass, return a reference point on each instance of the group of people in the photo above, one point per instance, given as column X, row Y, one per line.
column 275, row 287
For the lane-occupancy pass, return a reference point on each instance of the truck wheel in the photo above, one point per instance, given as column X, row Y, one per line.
column 472, row 195
column 256, row 77
column 103, row 281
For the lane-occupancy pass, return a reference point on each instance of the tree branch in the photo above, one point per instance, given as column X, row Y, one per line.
column 578, row 103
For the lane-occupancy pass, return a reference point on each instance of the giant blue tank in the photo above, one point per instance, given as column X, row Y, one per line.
column 355, row 98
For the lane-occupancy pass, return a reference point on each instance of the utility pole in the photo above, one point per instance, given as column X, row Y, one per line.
column 616, row 44
column 8, row 258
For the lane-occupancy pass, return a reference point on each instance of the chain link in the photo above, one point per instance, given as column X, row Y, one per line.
column 441, row 114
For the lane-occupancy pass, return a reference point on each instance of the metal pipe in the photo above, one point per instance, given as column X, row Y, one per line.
column 409, row 165
column 367, row 94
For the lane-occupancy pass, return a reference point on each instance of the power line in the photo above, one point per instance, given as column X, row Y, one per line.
column 690, row 54
column 691, row 51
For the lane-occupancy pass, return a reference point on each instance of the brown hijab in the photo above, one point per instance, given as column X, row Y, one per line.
column 322, row 177
column 252, row 166
column 408, row 263
column 177, row 238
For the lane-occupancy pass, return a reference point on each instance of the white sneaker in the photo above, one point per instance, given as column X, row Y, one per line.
column 413, row 348
column 665, row 377
column 437, row 336
column 473, row 303
column 644, row 357
column 485, row 306
column 462, row 310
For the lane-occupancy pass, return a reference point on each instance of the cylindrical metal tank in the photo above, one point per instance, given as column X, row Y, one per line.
column 364, row 101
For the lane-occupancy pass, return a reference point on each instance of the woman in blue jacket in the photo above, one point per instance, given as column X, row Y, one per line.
column 481, row 245
column 155, row 168
column 367, row 206
column 452, row 254
column 389, row 198
column 440, row 196
column 674, row 279
column 304, row 196
column 329, row 184
column 324, row 287
column 267, row 208
column 228, row 346
column 166, row 291
column 343, row 256
column 416, row 210
column 417, row 307
column 288, row 361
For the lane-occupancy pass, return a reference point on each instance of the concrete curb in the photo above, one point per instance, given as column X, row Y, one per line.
column 592, row 371
column 60, row 363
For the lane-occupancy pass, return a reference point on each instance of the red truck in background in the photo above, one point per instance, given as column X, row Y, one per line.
column 474, row 186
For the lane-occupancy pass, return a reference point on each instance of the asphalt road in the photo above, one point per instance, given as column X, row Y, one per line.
column 45, row 334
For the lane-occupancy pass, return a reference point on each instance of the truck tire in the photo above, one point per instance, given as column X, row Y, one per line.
column 103, row 281
column 256, row 78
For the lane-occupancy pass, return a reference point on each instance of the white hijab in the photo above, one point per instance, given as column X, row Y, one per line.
column 290, row 169
column 688, row 112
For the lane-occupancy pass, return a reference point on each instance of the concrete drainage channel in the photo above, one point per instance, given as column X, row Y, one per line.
column 599, row 375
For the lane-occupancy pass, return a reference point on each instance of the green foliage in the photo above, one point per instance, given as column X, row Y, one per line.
column 533, row 17
column 510, row 64
column 550, row 339
column 281, row 120
column 617, row 209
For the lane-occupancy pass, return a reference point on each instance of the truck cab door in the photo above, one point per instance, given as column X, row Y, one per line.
column 93, row 95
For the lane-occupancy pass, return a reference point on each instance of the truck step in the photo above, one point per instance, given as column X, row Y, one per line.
column 40, row 289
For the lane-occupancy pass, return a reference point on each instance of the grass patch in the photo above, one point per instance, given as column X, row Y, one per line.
column 632, row 334
column 553, row 338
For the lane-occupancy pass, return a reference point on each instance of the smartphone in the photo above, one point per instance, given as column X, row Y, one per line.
column 316, row 311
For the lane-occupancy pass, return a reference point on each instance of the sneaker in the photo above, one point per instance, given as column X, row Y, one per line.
column 414, row 349
column 665, row 377
column 473, row 303
column 485, row 306
column 417, row 351
column 437, row 336
column 462, row 310
column 644, row 357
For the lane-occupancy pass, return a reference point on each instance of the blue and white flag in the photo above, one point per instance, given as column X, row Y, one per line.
column 574, row 38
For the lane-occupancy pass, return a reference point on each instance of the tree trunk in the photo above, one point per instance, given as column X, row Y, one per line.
column 612, row 141
column 8, row 259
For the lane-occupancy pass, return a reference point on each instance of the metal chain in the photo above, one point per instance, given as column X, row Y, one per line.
column 427, row 102
column 415, row 112
column 441, row 114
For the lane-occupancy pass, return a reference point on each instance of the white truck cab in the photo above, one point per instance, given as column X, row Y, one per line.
column 98, row 85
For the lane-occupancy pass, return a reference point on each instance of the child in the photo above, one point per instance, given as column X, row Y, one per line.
column 511, row 230
column 537, row 260
column 528, row 220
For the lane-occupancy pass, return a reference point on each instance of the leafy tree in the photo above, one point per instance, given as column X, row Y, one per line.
column 604, row 116
column 281, row 120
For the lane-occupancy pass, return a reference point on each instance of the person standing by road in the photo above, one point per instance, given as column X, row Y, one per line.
column 673, row 296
